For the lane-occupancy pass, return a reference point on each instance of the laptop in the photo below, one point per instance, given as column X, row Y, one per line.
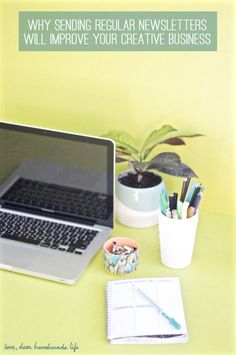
column 56, row 200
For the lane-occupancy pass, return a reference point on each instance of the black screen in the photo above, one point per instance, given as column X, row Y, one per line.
column 65, row 175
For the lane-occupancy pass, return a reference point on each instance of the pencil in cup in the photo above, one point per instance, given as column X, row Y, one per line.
column 182, row 209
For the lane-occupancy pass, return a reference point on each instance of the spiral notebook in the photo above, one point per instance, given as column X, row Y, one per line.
column 148, row 310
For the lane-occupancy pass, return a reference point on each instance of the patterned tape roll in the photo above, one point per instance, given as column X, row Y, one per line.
column 122, row 263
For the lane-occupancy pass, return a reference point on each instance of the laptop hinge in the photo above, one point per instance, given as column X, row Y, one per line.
column 49, row 214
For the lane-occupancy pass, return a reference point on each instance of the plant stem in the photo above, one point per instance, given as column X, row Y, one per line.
column 140, row 178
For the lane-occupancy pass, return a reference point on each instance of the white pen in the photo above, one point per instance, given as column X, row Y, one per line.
column 185, row 206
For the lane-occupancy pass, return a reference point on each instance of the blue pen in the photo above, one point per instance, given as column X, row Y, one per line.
column 163, row 209
column 192, row 188
column 161, row 204
column 163, row 201
column 172, row 321
column 163, row 191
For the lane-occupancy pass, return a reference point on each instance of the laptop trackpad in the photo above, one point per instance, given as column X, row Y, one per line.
column 17, row 256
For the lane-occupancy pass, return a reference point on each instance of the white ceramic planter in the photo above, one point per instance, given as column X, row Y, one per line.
column 137, row 207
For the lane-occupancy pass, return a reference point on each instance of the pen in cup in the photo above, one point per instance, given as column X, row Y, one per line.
column 186, row 207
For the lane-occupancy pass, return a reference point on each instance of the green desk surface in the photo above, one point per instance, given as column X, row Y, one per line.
column 36, row 310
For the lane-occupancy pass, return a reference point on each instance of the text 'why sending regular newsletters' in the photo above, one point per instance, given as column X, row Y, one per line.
column 152, row 31
column 127, row 32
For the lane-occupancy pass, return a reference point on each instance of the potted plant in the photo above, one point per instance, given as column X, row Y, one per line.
column 138, row 190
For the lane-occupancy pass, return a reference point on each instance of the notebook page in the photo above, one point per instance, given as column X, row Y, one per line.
column 132, row 315
column 121, row 309
column 166, row 294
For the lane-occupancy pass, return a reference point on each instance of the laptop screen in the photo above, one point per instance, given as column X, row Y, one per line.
column 56, row 174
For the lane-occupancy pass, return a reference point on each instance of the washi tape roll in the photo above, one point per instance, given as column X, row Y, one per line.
column 121, row 255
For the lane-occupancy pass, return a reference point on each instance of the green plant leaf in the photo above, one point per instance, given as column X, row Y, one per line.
column 167, row 137
column 123, row 141
column 157, row 134
column 170, row 163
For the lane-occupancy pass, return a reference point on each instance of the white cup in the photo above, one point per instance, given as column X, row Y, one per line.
column 177, row 239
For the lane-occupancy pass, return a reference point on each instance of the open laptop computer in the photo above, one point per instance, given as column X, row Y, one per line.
column 56, row 200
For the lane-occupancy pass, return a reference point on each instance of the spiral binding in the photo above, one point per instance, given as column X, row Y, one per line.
column 108, row 296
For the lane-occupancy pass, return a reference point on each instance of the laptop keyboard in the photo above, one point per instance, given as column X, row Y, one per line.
column 47, row 234
column 62, row 199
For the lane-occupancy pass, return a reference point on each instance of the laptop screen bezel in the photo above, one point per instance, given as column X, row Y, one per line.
column 107, row 143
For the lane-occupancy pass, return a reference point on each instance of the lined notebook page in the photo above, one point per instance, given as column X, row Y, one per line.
column 130, row 314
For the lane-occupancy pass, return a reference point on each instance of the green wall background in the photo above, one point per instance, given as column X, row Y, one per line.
column 93, row 92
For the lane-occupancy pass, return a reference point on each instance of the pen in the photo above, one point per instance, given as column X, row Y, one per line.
column 172, row 321
column 185, row 186
column 179, row 208
column 170, row 202
column 185, row 206
column 191, row 211
column 175, row 214
column 183, row 191
column 194, row 195
column 168, row 213
column 163, row 201
column 197, row 200
column 190, row 193
column 175, row 200
column 165, row 195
